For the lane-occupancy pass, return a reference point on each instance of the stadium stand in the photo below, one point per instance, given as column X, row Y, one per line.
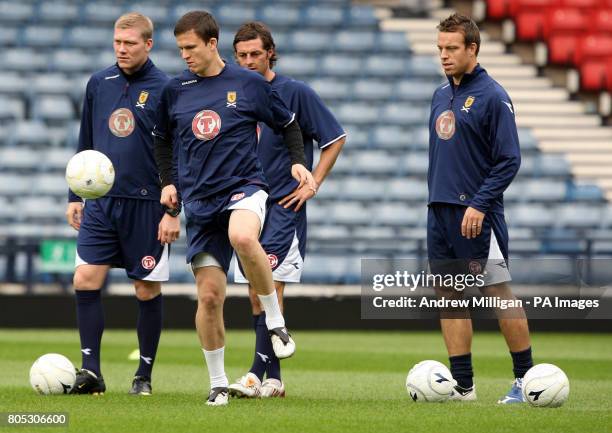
column 376, row 75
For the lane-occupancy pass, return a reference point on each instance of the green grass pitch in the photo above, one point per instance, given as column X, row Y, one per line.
column 337, row 382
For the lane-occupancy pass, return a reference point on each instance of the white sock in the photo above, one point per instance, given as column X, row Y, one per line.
column 274, row 317
column 216, row 367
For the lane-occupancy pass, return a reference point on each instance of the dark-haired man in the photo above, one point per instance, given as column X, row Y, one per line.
column 473, row 156
column 284, row 234
column 211, row 111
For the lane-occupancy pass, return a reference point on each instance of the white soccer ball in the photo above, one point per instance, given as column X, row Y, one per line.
column 545, row 385
column 430, row 381
column 90, row 174
column 52, row 374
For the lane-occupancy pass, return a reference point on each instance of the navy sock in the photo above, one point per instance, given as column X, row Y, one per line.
column 263, row 348
column 149, row 326
column 273, row 370
column 521, row 361
column 90, row 320
column 461, row 369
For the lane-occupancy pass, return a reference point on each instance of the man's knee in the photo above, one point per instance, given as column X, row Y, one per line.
column 147, row 290
column 244, row 243
column 88, row 279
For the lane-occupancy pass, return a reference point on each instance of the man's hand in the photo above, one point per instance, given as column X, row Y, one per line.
column 303, row 176
column 74, row 214
column 169, row 229
column 471, row 226
column 299, row 196
column 169, row 197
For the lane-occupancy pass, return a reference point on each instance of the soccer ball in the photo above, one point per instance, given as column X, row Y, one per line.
column 545, row 385
column 52, row 374
column 90, row 174
column 430, row 381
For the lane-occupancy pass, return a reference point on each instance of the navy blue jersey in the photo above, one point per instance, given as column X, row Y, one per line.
column 316, row 122
column 213, row 121
column 473, row 143
column 119, row 113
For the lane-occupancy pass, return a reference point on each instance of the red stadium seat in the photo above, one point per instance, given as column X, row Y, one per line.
column 609, row 74
column 498, row 9
column 565, row 21
column 594, row 76
column 582, row 4
column 593, row 47
column 601, row 21
column 562, row 48
column 529, row 17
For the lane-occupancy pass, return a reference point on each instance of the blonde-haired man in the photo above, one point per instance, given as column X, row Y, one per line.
column 127, row 228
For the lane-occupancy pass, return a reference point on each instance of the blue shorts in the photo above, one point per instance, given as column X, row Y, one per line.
column 487, row 252
column 122, row 233
column 284, row 241
column 208, row 222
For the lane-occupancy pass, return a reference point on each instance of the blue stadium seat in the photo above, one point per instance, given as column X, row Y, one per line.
column 415, row 90
column 350, row 213
column 58, row 12
column 234, row 14
column 606, row 216
column 157, row 11
column 341, row 66
column 330, row 190
column 362, row 17
column 376, row 162
column 585, row 192
column 181, row 9
column 393, row 42
column 399, row 214
column 515, row 192
column 310, row 41
column 164, row 39
column 527, row 140
column 280, row 16
column 8, row 36
column 544, row 190
column 344, row 164
column 51, row 184
column 101, row 12
column 331, row 89
column 415, row 164
column 553, row 270
column 14, row 185
column 327, row 231
column 372, row 90
column 57, row 108
column 71, row 61
column 401, row 113
column 15, row 12
column 358, row 113
column 90, row 37
column 361, row 188
column 527, row 168
column 385, row 66
column 392, row 137
column 553, row 165
column 578, row 216
column 407, row 189
column 56, row 159
column 31, row 133
column 323, row 16
column 374, row 233
column 354, row 41
column 294, row 65
column 51, row 84
column 425, row 66
column 329, row 269
column 532, row 215
column 104, row 60
column 420, row 138
column 356, row 137
column 11, row 110
column 23, row 60
column 226, row 43
column 19, row 159
column 169, row 62
column 317, row 213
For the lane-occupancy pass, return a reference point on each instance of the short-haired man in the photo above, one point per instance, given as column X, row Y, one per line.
column 211, row 111
column 284, row 234
column 128, row 227
column 473, row 156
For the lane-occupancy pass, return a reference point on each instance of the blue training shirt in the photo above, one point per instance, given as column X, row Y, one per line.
column 213, row 122
column 316, row 122
column 473, row 143
column 119, row 112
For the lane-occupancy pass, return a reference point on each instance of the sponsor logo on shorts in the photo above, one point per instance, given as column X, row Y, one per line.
column 121, row 122
column 445, row 125
column 475, row 267
column 237, row 196
column 148, row 262
column 273, row 260
column 206, row 125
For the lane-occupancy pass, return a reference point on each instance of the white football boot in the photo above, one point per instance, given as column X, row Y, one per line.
column 272, row 388
column 248, row 386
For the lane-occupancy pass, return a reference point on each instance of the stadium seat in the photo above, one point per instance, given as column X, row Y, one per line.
column 51, row 184
column 585, row 192
column 350, row 213
column 57, row 12
column 393, row 42
column 601, row 21
column 15, row 12
column 92, row 38
column 372, row 90
column 415, row 91
column 354, row 41
column 374, row 233
column 415, row 164
column 15, row 185
column 526, row 139
column 294, row 65
column 531, row 215
column 542, row 190
column 280, row 16
column 71, row 61
column 234, row 14
column 317, row 213
column 392, row 137
column 356, row 136
column 344, row 164
column 8, row 36
column 593, row 47
column 323, row 16
column 362, row 189
column 375, row 163
column 594, row 76
column 226, row 43
column 401, row 113
column 407, row 189
column 51, row 84
column 31, row 133
column 553, row 165
column 56, row 159
column 329, row 269
column 327, row 232
column 578, row 216
column 309, row 41
column 330, row 190
column 358, row 113
column 11, row 110
column 497, row 10
column 169, row 62
column 399, row 214
column 53, row 109
column 101, row 12
column 341, row 66
column 362, row 17
column 38, row 209
column 530, row 17
column 385, row 66
column 420, row 138
column 23, row 60
column 425, row 66
column 157, row 11
column 606, row 216
column 568, row 21
column 330, row 89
